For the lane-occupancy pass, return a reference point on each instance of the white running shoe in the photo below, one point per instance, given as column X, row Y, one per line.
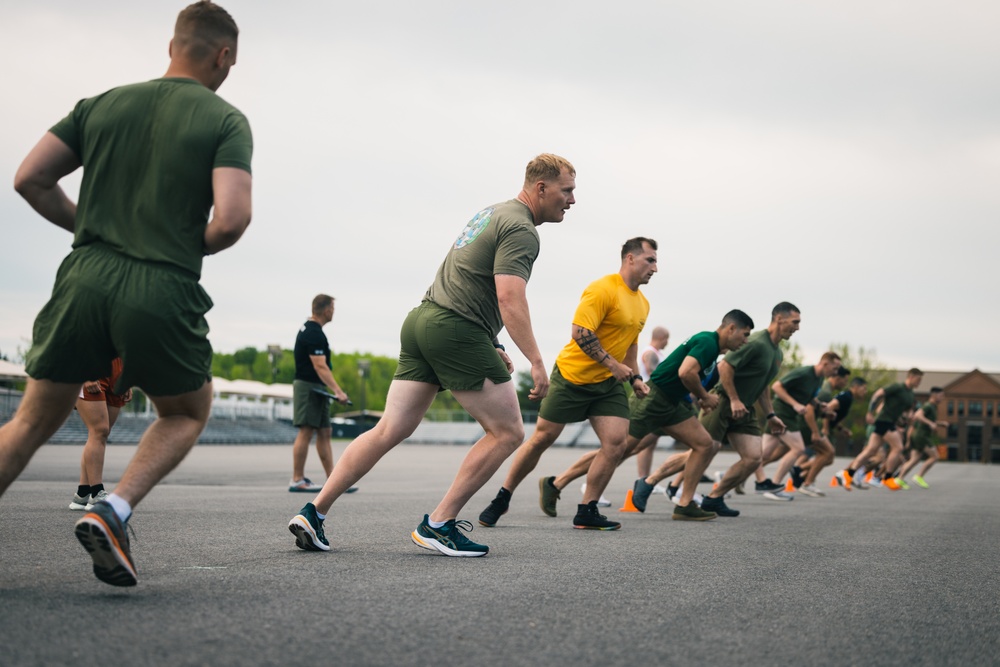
column 717, row 476
column 778, row 495
column 659, row 488
column 811, row 491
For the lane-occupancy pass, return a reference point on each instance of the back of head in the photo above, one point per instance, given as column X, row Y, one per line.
column 859, row 382
column 320, row 303
column 547, row 167
column 202, row 29
column 739, row 318
column 635, row 246
column 914, row 372
column 783, row 308
column 829, row 358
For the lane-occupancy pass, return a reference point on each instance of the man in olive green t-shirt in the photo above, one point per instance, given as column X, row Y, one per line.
column 925, row 424
column 744, row 376
column 156, row 157
column 449, row 342
column 794, row 393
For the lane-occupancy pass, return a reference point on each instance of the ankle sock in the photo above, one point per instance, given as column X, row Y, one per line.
column 83, row 490
column 121, row 507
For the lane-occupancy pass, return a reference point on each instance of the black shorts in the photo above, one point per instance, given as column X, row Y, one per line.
column 883, row 427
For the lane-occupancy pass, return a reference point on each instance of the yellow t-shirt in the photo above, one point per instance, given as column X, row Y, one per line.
column 613, row 312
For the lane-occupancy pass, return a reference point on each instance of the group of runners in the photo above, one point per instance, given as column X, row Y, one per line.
column 159, row 157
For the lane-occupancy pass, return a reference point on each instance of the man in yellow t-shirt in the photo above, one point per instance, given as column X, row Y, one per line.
column 588, row 383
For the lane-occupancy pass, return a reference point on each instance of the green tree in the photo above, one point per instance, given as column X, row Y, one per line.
column 862, row 363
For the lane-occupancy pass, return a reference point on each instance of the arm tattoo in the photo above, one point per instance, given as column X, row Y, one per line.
column 591, row 346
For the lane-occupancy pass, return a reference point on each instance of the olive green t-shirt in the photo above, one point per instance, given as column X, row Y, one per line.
column 756, row 364
column 801, row 383
column 898, row 399
column 930, row 411
column 148, row 151
column 499, row 240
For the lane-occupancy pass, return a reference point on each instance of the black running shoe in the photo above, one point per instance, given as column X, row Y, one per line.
column 308, row 530
column 498, row 507
column 641, row 491
column 588, row 518
column 719, row 506
column 105, row 538
column 766, row 486
column 797, row 478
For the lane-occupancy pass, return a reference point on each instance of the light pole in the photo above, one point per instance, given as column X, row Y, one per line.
column 274, row 351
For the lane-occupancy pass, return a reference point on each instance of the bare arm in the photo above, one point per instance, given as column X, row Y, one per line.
column 513, row 302
column 37, row 180
column 632, row 361
column 650, row 360
column 777, row 426
column 232, row 208
column 688, row 374
column 782, row 393
column 326, row 376
column 591, row 346
column 727, row 375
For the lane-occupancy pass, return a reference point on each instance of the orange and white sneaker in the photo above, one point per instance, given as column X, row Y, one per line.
column 891, row 484
column 843, row 478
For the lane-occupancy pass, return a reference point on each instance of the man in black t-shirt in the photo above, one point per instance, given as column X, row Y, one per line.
column 310, row 391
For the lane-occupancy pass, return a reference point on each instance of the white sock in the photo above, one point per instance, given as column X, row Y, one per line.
column 321, row 517
column 435, row 524
column 121, row 506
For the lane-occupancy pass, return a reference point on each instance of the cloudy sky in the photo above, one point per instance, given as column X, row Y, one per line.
column 844, row 156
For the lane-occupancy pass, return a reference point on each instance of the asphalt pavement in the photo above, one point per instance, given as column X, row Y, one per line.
column 862, row 578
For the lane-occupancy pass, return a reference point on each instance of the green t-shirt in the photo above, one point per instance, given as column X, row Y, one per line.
column 930, row 411
column 898, row 399
column 801, row 383
column 499, row 240
column 148, row 151
column 756, row 364
column 703, row 347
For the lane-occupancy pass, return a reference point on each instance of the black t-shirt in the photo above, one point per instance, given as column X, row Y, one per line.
column 311, row 341
column 844, row 400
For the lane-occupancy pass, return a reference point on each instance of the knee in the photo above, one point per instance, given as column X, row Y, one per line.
column 512, row 436
column 752, row 461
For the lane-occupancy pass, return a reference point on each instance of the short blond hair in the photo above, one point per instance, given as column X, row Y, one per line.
column 547, row 167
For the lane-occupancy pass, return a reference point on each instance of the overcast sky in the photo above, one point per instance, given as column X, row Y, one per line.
column 844, row 156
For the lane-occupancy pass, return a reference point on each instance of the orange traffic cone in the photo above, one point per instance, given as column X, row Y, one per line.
column 629, row 505
column 789, row 487
column 833, row 482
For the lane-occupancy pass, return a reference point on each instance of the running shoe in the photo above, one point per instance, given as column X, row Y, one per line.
column 692, row 512
column 588, row 518
column 858, row 482
column 811, row 490
column 105, row 537
column 920, row 482
column 601, row 502
column 672, row 491
column 79, row 503
column 797, row 478
column 448, row 539
column 779, row 495
column 696, row 499
column 875, row 482
column 641, row 491
column 843, row 478
column 659, row 488
column 547, row 495
column 498, row 507
column 96, row 498
column 740, row 490
column 307, row 528
column 891, row 484
column 304, row 485
column 719, row 506
column 767, row 486
column 902, row 483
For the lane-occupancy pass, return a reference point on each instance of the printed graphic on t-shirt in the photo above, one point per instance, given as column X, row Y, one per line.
column 475, row 227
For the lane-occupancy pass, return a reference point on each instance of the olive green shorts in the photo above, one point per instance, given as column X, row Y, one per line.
column 793, row 421
column 920, row 441
column 657, row 411
column 567, row 403
column 440, row 347
column 309, row 408
column 105, row 305
column 719, row 422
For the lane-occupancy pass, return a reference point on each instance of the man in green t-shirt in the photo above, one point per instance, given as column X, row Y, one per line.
column 744, row 376
column 450, row 342
column 794, row 393
column 157, row 157
column 896, row 400
column 925, row 424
